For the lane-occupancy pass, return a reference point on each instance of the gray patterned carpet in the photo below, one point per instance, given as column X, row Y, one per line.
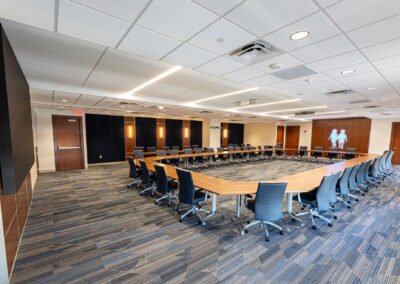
column 87, row 227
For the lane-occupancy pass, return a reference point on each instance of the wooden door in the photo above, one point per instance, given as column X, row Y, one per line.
column 67, row 132
column 279, row 135
column 395, row 143
column 292, row 138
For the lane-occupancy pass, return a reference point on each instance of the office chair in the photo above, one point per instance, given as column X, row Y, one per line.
column 277, row 151
column 188, row 151
column 348, row 154
column 302, row 154
column 374, row 174
column 267, row 206
column 221, row 158
column 231, row 148
column 366, row 175
column 138, row 154
column 333, row 155
column 343, row 188
column 317, row 154
column 360, row 177
column 201, row 159
column 252, row 154
column 147, row 180
column 382, row 165
column 133, row 172
column 187, row 147
column 333, row 198
column 238, row 156
column 174, row 161
column 188, row 195
column 268, row 153
column 389, row 162
column 165, row 148
column 139, row 148
column 151, row 149
column 352, row 180
column 318, row 199
column 175, row 148
column 163, row 186
column 161, row 153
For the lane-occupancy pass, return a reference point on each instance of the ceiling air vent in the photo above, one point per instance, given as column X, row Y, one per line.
column 340, row 92
column 372, row 106
column 205, row 111
column 294, row 73
column 255, row 52
column 245, row 102
column 305, row 113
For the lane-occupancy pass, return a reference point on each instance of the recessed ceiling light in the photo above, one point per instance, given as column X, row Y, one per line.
column 64, row 101
column 348, row 71
column 275, row 66
column 220, row 40
column 155, row 79
column 224, row 95
column 160, row 107
column 299, row 35
column 384, row 99
column 370, row 89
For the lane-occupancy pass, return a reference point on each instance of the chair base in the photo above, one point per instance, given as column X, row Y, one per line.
column 195, row 211
column 314, row 213
column 263, row 224
column 168, row 196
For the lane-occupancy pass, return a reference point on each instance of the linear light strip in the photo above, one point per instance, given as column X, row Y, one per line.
column 325, row 112
column 269, row 104
column 155, row 79
column 294, row 109
column 331, row 116
column 225, row 95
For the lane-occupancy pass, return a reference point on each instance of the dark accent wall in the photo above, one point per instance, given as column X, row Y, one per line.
column 146, row 131
column 105, row 138
column 196, row 133
column 174, row 132
column 235, row 133
column 16, row 139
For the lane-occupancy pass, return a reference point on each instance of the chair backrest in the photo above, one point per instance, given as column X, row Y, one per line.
column 352, row 177
column 278, row 147
column 145, row 172
column 132, row 168
column 173, row 152
column 187, row 147
column 195, row 146
column 259, row 147
column 139, row 148
column 151, row 149
column 186, row 186
column 198, row 150
column 390, row 159
column 188, row 151
column 210, row 150
column 252, row 148
column 162, row 179
column 231, row 148
column 138, row 154
column 166, row 148
column 381, row 162
column 333, row 149
column 366, row 170
column 219, row 150
column 268, row 202
column 175, row 147
column 237, row 148
column 245, row 148
column 343, row 183
column 266, row 147
column 302, row 153
column 323, row 193
column 332, row 189
column 161, row 153
column 350, row 150
column 318, row 148
column 375, row 167
column 360, row 173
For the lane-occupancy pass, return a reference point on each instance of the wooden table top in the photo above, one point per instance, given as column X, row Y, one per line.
column 300, row 182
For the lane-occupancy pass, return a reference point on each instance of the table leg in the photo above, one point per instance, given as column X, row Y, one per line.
column 186, row 162
column 248, row 156
column 237, row 215
column 213, row 209
column 289, row 209
column 230, row 157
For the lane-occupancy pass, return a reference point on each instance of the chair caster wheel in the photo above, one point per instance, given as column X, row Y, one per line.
column 248, row 221
column 357, row 199
column 314, row 227
column 223, row 217
column 241, row 232
column 348, row 206
column 335, row 217
column 169, row 205
column 155, row 202
column 179, row 212
column 203, row 223
column 199, row 222
column 294, row 220
column 330, row 224
column 246, row 231
column 363, row 194
column 267, row 239
column 282, row 232
column 141, row 194
column 180, row 220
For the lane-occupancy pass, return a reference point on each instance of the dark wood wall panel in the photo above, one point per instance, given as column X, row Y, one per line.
column 280, row 130
column 129, row 136
column 357, row 131
column 196, row 133
column 146, row 131
column 174, row 132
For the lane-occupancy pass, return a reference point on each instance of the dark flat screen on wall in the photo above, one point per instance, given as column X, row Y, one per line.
column 16, row 139
column 235, row 133
column 196, row 133
column 174, row 132
column 146, row 131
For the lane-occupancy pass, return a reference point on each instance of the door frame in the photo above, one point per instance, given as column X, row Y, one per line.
column 55, row 142
column 298, row 136
column 392, row 136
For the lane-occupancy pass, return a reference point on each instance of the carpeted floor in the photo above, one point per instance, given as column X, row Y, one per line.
column 87, row 227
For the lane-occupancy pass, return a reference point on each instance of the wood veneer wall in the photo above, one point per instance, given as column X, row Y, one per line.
column 130, row 138
column 356, row 129
column 160, row 133
column 186, row 140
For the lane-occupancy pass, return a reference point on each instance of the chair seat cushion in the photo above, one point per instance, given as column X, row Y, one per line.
column 199, row 196
column 251, row 204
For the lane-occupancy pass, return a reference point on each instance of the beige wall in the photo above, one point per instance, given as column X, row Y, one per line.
column 45, row 142
column 34, row 172
column 206, row 133
column 381, row 131
column 259, row 134
column 305, row 134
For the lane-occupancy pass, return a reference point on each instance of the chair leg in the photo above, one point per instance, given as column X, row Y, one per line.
column 250, row 225
column 266, row 232
column 147, row 189
column 133, row 183
column 187, row 213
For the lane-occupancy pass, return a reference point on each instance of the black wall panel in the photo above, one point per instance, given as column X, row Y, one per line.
column 174, row 132
column 196, row 133
column 235, row 133
column 105, row 138
column 146, row 131
column 16, row 138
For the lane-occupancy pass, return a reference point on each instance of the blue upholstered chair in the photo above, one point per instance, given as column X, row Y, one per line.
column 138, row 154
column 147, row 179
column 343, row 188
column 333, row 198
column 352, row 180
column 267, row 206
column 133, row 172
column 163, row 186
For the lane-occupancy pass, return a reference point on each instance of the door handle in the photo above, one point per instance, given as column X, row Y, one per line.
column 68, row 148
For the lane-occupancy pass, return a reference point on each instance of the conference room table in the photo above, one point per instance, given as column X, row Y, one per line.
column 300, row 182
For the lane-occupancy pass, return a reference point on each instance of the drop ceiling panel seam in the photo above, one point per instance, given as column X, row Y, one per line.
column 94, row 67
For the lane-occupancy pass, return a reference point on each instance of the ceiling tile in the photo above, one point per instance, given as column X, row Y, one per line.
column 326, row 48
column 232, row 37
column 88, row 100
column 243, row 74
column 220, row 7
column 87, row 24
column 182, row 20
column 189, row 56
column 279, row 86
column 147, row 43
column 126, row 10
column 65, row 98
column 389, row 62
column 317, row 25
column 345, row 59
column 326, row 3
column 220, row 66
column 31, row 12
column 351, row 14
column 360, row 69
column 311, row 79
column 382, row 50
column 41, row 96
column 263, row 80
column 376, row 33
column 285, row 61
column 264, row 16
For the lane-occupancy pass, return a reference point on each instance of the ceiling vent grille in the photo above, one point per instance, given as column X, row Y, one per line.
column 294, row 73
column 255, row 52
column 372, row 106
column 340, row 92
column 305, row 113
column 205, row 111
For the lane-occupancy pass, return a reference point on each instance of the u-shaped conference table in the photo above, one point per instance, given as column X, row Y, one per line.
column 299, row 182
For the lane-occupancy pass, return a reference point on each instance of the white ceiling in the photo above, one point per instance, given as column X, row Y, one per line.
column 88, row 54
